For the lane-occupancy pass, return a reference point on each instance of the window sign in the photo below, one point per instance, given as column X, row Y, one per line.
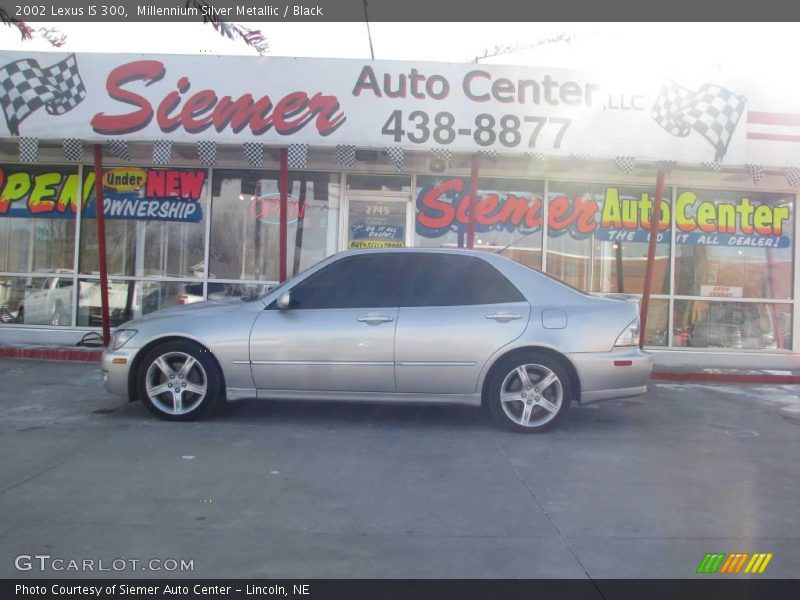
column 150, row 194
column 377, row 224
column 616, row 216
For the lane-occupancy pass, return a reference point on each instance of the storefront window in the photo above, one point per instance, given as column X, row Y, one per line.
column 598, row 237
column 657, row 322
column 726, row 324
column 37, row 300
column 38, row 206
column 734, row 244
column 129, row 299
column 508, row 216
column 245, row 224
column 154, row 222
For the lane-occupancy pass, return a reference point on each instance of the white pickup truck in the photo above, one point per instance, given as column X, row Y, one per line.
column 49, row 302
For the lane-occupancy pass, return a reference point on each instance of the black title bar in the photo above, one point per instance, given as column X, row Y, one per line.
column 708, row 588
column 397, row 11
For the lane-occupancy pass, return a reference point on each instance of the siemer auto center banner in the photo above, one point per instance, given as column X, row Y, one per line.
column 415, row 105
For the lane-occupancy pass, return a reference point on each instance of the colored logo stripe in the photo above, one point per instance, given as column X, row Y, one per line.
column 759, row 562
column 711, row 562
column 734, row 562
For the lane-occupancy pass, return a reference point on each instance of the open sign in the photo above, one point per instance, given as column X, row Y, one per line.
column 267, row 208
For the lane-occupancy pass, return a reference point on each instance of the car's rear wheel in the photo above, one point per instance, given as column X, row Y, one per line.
column 529, row 392
column 180, row 381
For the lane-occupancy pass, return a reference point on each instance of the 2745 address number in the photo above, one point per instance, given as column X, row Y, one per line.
column 509, row 130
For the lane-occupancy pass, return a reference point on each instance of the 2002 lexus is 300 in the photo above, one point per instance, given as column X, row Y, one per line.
column 393, row 325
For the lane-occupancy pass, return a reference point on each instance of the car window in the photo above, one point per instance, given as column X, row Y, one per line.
column 456, row 280
column 364, row 281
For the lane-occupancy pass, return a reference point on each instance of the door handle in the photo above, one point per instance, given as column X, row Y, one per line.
column 374, row 319
column 503, row 317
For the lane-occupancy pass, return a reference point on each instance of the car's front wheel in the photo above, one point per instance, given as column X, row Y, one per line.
column 180, row 381
column 529, row 392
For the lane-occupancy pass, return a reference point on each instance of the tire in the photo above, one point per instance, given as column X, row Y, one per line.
column 163, row 368
column 524, row 407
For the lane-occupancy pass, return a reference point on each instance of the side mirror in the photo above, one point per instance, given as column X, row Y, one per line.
column 284, row 301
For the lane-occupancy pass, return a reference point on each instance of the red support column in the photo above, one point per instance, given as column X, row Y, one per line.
column 651, row 255
column 101, row 241
column 283, row 186
column 473, row 200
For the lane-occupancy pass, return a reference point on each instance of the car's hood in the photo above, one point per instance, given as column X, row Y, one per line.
column 196, row 309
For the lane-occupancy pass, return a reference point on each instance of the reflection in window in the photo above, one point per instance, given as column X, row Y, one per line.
column 725, row 324
column 37, row 218
column 734, row 244
column 154, row 226
column 598, row 237
column 657, row 322
column 245, row 226
column 508, row 216
column 36, row 300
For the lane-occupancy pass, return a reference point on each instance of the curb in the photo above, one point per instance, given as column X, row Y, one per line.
column 60, row 354
column 726, row 377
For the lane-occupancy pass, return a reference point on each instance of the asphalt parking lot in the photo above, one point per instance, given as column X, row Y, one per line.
column 637, row 488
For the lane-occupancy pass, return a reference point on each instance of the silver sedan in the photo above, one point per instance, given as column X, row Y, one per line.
column 395, row 325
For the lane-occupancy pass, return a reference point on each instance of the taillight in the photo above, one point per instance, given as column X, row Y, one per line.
column 629, row 335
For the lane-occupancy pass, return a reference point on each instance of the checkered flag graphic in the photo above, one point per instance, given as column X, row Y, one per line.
column 668, row 166
column 162, row 152
column 712, row 166
column 298, row 156
column 792, row 175
column 712, row 111
column 537, row 156
column 442, row 153
column 488, row 154
column 119, row 149
column 254, row 153
column 28, row 149
column 346, row 155
column 207, row 152
column 756, row 173
column 73, row 150
column 625, row 163
column 27, row 87
column 396, row 156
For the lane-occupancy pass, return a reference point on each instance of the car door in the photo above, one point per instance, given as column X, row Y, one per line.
column 337, row 334
column 455, row 313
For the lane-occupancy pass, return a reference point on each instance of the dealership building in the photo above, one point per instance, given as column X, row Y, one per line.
column 377, row 154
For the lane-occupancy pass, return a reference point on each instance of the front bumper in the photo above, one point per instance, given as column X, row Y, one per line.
column 617, row 374
column 116, row 369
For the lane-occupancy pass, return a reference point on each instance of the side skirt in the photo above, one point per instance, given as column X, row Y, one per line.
column 393, row 398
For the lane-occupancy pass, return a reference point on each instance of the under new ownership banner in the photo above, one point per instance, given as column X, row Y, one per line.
column 128, row 193
column 416, row 105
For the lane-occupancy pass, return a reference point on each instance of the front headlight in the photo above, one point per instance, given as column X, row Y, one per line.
column 121, row 337
column 629, row 335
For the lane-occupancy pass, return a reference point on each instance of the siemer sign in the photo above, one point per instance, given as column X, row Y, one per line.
column 327, row 102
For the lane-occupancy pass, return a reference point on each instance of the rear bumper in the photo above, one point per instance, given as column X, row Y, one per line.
column 116, row 368
column 617, row 374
